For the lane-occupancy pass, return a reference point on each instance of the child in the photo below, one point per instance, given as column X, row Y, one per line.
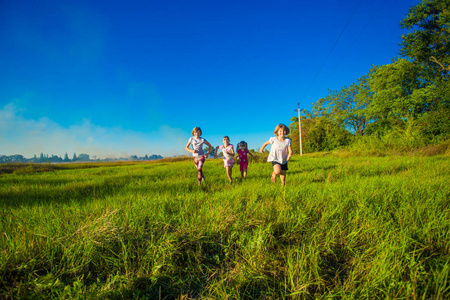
column 280, row 153
column 228, row 156
column 197, row 151
column 243, row 160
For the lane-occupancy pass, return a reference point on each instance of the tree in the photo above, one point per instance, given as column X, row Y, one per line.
column 429, row 42
column 83, row 157
column 66, row 157
column 399, row 92
column 74, row 158
column 55, row 158
column 323, row 134
column 17, row 158
column 213, row 149
column 348, row 106
column 410, row 96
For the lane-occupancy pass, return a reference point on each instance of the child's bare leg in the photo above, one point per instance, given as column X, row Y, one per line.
column 276, row 171
column 199, row 166
column 283, row 177
column 245, row 174
column 229, row 174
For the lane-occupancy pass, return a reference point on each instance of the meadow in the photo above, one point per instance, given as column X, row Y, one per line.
column 343, row 227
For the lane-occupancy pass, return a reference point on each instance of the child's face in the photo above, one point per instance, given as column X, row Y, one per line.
column 197, row 134
column 242, row 147
column 226, row 141
column 281, row 132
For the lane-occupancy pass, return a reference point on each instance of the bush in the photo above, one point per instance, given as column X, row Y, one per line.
column 439, row 149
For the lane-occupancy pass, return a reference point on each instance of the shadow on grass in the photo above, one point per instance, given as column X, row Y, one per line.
column 335, row 265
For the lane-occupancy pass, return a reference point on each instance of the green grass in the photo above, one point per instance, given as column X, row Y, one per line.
column 350, row 228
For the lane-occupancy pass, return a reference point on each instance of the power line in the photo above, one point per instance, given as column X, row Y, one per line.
column 357, row 37
column 332, row 48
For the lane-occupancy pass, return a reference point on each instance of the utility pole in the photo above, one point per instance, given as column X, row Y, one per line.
column 299, row 127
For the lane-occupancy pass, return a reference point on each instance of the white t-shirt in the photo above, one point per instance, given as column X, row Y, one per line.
column 226, row 154
column 279, row 151
column 197, row 144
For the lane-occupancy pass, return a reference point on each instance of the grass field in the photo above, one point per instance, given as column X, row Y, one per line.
column 346, row 228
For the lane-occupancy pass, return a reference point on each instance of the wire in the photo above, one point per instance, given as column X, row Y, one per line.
column 332, row 48
column 356, row 38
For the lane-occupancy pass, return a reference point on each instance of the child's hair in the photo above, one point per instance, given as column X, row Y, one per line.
column 281, row 126
column 196, row 129
column 243, row 143
column 226, row 137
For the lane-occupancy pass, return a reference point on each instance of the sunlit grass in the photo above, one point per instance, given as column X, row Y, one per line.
column 361, row 227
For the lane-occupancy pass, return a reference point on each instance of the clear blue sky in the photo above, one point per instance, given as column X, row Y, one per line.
column 116, row 78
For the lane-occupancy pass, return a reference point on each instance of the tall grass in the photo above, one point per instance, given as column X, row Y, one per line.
column 350, row 228
column 391, row 145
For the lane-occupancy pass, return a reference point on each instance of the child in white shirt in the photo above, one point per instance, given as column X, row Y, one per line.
column 228, row 156
column 197, row 151
column 280, row 153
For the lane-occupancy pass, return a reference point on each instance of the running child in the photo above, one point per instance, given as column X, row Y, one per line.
column 197, row 151
column 228, row 156
column 280, row 152
column 242, row 153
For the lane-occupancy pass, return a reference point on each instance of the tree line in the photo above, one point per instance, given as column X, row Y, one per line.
column 45, row 158
column 403, row 104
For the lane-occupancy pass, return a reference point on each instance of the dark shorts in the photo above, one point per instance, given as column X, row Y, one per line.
column 284, row 167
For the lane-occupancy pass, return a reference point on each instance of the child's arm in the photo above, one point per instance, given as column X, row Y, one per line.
column 251, row 155
column 189, row 149
column 217, row 150
column 232, row 151
column 264, row 146
column 289, row 152
column 209, row 148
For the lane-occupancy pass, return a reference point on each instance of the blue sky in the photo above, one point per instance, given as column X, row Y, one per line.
column 117, row 78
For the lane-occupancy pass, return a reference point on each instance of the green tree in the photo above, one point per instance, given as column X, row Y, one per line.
column 211, row 154
column 428, row 44
column 323, row 134
column 429, row 41
column 399, row 92
column 348, row 106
